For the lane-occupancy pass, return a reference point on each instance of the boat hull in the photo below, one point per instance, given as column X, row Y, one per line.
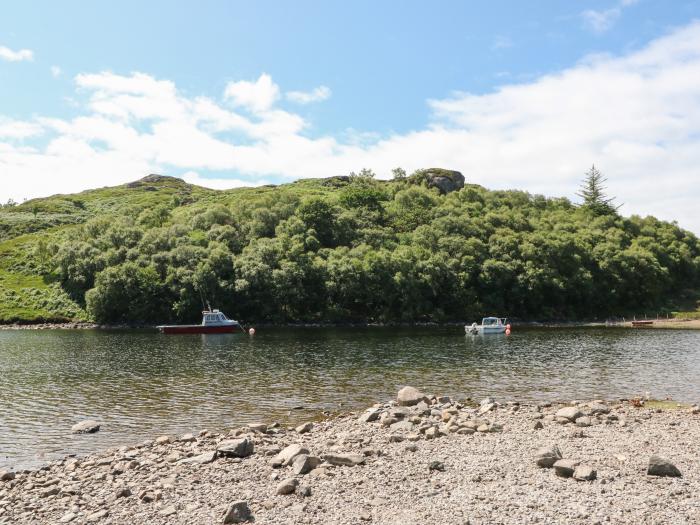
column 200, row 329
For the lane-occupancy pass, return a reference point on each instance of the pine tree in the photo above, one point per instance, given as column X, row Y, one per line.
column 593, row 193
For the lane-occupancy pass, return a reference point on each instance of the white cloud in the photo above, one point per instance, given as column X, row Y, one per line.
column 306, row 97
column 219, row 184
column 17, row 129
column 16, row 56
column 602, row 20
column 56, row 71
column 256, row 96
column 637, row 117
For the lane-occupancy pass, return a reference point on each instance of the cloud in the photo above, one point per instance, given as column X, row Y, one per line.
column 306, row 97
column 17, row 129
column 56, row 71
column 255, row 96
column 601, row 21
column 636, row 116
column 16, row 56
column 218, row 183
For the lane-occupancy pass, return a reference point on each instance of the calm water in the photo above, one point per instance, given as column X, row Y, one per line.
column 139, row 385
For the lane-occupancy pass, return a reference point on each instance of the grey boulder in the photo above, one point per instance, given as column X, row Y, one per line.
column 236, row 448
column 85, row 427
column 662, row 467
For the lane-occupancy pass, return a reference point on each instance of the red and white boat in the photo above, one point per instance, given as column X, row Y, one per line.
column 213, row 322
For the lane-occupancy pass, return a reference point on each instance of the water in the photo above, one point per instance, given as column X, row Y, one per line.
column 143, row 384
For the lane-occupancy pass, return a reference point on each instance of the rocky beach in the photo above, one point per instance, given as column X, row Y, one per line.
column 417, row 459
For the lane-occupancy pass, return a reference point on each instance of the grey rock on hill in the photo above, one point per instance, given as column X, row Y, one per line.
column 444, row 180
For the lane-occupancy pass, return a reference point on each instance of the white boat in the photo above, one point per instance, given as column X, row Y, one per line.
column 489, row 325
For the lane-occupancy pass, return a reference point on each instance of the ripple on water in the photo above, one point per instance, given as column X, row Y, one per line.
column 139, row 384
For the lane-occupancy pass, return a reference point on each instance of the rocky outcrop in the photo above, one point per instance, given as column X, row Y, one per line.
column 445, row 181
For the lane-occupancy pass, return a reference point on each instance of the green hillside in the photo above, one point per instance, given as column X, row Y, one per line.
column 418, row 248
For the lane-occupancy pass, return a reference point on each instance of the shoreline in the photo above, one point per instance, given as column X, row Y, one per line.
column 432, row 460
column 688, row 324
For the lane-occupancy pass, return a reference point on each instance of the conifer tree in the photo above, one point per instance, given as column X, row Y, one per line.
column 593, row 193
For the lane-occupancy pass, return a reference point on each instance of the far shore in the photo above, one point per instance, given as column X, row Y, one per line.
column 689, row 324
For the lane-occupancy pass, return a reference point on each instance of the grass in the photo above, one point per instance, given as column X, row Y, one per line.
column 665, row 404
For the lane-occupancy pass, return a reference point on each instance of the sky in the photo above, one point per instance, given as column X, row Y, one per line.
column 515, row 95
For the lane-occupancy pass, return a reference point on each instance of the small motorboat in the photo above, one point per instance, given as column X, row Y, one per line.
column 489, row 325
column 213, row 322
column 642, row 324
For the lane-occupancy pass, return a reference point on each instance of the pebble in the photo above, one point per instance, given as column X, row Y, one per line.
column 409, row 396
column 546, row 457
column 85, row 427
column 237, row 448
column 662, row 467
column 238, row 512
column 287, row 486
column 565, row 468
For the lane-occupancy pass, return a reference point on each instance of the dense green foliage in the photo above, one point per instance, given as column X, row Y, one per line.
column 343, row 249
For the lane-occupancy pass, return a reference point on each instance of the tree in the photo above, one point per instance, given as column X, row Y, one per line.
column 593, row 193
column 399, row 173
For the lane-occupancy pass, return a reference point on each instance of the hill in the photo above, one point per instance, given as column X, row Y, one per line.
column 421, row 248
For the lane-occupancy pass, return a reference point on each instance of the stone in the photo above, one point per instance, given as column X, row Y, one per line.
column 173, row 457
column 662, row 467
column 201, row 459
column 598, row 408
column 237, row 448
column 122, row 492
column 303, row 429
column 163, row 440
column 258, row 427
column 346, row 460
column 409, row 396
column 287, row 455
column 368, row 416
column 238, row 512
column 387, row 420
column 583, row 421
column 445, row 181
column 401, row 426
column 85, row 427
column 412, row 447
column 187, row 438
column 436, row 465
column 168, row 511
column 537, row 425
column 6, row 475
column 287, row 486
column 396, row 438
column 68, row 517
column 432, row 433
column 97, row 516
column 305, row 491
column 304, row 464
column 545, row 457
column 50, row 492
column 570, row 413
column 585, row 473
column 564, row 468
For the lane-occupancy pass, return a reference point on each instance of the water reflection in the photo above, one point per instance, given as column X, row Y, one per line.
column 141, row 383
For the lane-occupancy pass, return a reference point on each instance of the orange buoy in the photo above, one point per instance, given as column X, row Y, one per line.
column 507, row 331
column 251, row 331
column 508, row 326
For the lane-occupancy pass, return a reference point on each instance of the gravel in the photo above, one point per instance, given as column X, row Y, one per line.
column 355, row 472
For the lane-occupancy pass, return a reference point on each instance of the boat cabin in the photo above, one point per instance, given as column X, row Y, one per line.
column 214, row 318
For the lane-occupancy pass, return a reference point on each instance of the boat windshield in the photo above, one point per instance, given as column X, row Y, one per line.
column 490, row 321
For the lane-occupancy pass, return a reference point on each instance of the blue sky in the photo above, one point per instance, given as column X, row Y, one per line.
column 513, row 94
